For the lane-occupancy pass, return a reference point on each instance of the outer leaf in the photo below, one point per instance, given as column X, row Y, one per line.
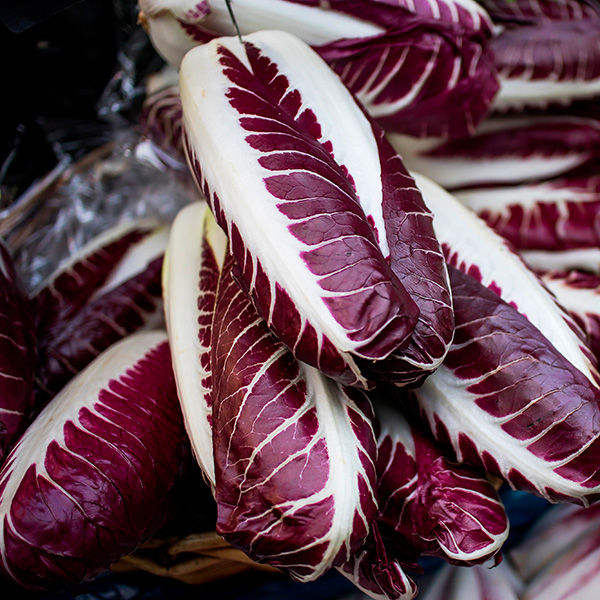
column 417, row 259
column 91, row 477
column 579, row 293
column 505, row 399
column 17, row 355
column 306, row 155
column 192, row 268
column 553, row 215
column 176, row 26
column 376, row 574
column 429, row 504
column 294, row 451
column 476, row 583
column 505, row 151
column 558, row 532
column 547, row 63
column 421, row 77
column 470, row 245
column 129, row 301
column 75, row 282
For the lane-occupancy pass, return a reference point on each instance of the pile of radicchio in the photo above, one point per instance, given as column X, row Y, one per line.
column 378, row 311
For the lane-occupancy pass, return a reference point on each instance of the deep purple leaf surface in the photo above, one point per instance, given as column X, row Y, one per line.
column 306, row 252
column 430, row 504
column 422, row 78
column 506, row 400
column 550, row 62
column 92, row 477
column 17, row 355
column 294, row 451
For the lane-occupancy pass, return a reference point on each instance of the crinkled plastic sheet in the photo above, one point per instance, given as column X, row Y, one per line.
column 123, row 183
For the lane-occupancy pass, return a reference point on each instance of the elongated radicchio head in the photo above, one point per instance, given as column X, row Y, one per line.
column 193, row 264
column 423, row 77
column 507, row 400
column 286, row 159
column 473, row 247
column 535, row 11
column 75, row 282
column 505, row 151
column 129, row 300
column 560, row 214
column 92, row 477
column 430, row 504
column 294, row 450
column 17, row 354
column 548, row 62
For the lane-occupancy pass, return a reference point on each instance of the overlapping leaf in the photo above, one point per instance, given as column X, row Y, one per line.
column 306, row 157
column 294, row 451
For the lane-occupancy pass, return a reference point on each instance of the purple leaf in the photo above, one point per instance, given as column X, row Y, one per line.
column 505, row 151
column 73, row 284
column 473, row 247
column 551, row 62
column 294, row 451
column 422, row 78
column 130, row 300
column 429, row 504
column 17, row 355
column 193, row 264
column 506, row 400
column 554, row 215
column 375, row 573
column 92, row 477
column 307, row 162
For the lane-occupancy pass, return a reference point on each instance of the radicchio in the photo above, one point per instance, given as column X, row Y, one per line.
column 293, row 202
column 192, row 269
column 550, row 62
column 560, row 214
column 17, row 355
column 506, row 400
column 294, row 451
column 130, row 299
column 505, row 151
column 429, row 504
column 93, row 476
column 473, row 247
column 421, row 67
